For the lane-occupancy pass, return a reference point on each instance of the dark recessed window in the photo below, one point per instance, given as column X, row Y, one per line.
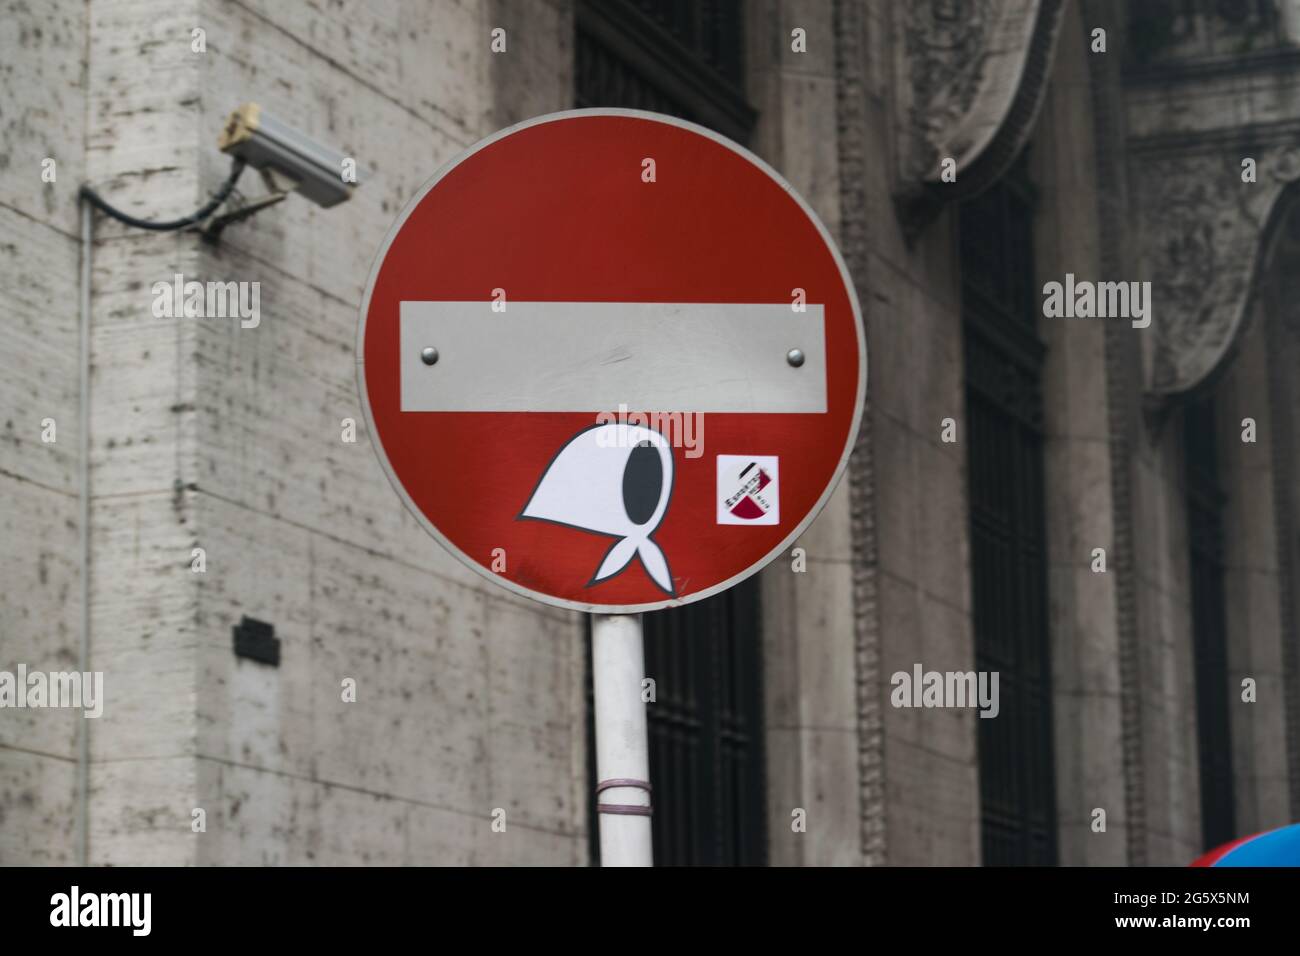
column 1205, row 502
column 1004, row 358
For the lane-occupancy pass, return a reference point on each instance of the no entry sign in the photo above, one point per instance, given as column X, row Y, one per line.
column 611, row 361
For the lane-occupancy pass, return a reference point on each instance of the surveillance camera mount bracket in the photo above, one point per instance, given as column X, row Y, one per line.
column 277, row 190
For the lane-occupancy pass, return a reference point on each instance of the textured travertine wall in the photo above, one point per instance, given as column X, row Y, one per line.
column 42, row 115
column 469, row 699
column 209, row 435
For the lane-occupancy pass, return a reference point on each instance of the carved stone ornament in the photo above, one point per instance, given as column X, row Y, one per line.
column 1204, row 234
column 971, row 75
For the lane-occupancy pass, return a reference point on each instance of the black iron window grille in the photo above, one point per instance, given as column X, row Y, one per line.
column 1205, row 503
column 667, row 56
column 1003, row 365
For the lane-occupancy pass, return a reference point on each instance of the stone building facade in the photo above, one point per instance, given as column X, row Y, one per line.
column 1000, row 449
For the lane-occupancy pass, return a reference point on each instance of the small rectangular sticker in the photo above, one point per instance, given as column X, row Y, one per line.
column 749, row 489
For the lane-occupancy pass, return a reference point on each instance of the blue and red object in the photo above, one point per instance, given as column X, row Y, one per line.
column 1280, row 847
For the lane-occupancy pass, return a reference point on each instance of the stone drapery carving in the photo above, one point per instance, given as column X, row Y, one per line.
column 1203, row 237
column 970, row 79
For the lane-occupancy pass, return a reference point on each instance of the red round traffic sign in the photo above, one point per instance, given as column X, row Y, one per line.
column 611, row 360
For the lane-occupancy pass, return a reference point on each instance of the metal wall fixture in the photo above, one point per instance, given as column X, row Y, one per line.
column 289, row 161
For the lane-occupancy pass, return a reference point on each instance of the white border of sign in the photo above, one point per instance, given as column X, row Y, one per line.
column 506, row 582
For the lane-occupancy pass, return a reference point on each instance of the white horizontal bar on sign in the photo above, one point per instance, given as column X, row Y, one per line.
column 595, row 356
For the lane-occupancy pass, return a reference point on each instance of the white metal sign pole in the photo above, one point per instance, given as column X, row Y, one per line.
column 622, row 750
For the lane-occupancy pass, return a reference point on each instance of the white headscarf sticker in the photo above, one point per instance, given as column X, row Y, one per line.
column 613, row 479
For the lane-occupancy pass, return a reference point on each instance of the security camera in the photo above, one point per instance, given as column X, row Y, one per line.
column 295, row 160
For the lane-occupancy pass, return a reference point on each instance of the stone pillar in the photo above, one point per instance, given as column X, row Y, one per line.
column 811, row 710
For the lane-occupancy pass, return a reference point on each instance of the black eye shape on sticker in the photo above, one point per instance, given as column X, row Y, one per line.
column 643, row 480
